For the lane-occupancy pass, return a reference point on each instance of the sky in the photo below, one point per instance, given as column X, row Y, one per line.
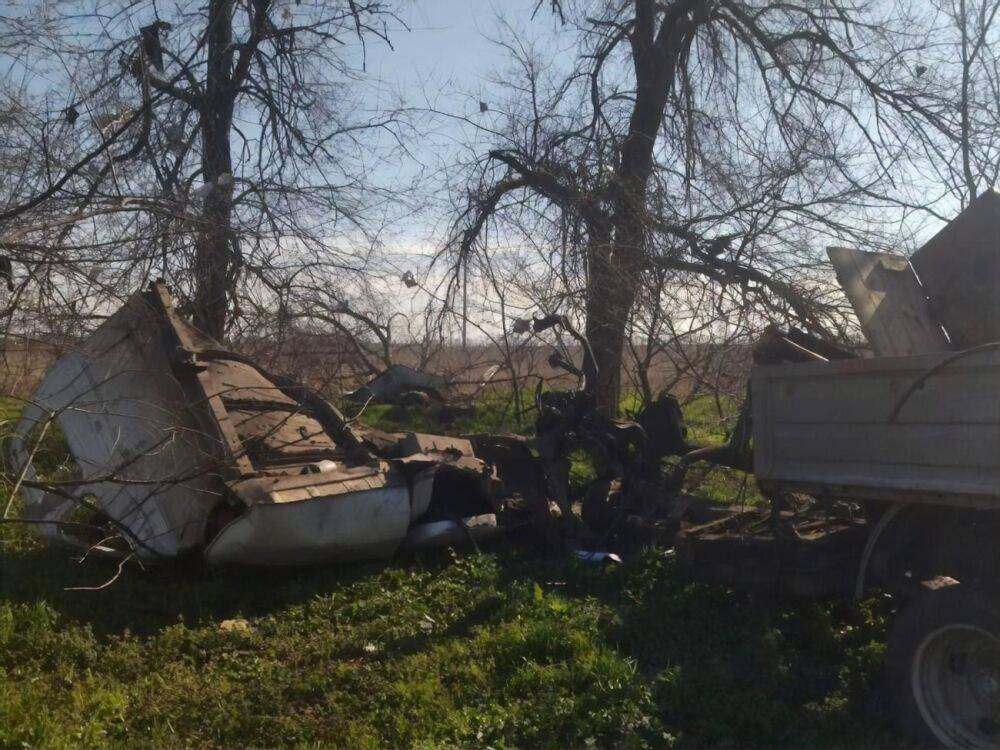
column 443, row 57
column 442, row 51
column 442, row 54
column 447, row 42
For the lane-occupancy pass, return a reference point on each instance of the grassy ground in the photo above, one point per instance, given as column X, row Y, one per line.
column 501, row 649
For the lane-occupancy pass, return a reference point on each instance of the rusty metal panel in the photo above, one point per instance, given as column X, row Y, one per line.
column 824, row 427
column 959, row 269
column 270, row 435
column 292, row 487
column 889, row 302
column 236, row 381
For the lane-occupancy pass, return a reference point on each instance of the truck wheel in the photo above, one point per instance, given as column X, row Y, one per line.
column 943, row 669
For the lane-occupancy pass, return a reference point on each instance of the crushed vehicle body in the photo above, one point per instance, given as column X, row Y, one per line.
column 184, row 447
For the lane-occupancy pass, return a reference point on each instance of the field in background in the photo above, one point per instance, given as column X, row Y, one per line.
column 330, row 364
column 505, row 649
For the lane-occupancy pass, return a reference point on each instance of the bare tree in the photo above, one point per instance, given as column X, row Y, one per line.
column 717, row 140
column 218, row 145
column 957, row 74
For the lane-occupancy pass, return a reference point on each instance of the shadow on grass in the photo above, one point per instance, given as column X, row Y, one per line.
column 732, row 667
column 145, row 601
column 720, row 666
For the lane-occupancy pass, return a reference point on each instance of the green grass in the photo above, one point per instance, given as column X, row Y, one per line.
column 502, row 649
column 708, row 422
column 494, row 412
column 499, row 649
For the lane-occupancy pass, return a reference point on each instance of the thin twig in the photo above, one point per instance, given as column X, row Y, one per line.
column 115, row 577
column 357, row 416
column 24, row 469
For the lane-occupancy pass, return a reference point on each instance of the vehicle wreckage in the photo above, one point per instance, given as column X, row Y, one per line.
column 880, row 472
column 185, row 447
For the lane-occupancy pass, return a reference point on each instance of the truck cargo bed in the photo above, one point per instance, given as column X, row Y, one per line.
column 825, row 428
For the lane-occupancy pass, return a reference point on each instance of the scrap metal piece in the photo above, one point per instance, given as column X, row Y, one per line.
column 126, row 421
column 335, row 516
column 440, row 534
column 776, row 346
column 889, row 302
column 597, row 558
column 959, row 269
column 397, row 384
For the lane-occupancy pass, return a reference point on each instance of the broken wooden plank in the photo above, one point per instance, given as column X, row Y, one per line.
column 889, row 302
column 959, row 269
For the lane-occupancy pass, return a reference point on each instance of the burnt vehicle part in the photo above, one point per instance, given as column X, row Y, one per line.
column 776, row 346
column 633, row 500
column 189, row 448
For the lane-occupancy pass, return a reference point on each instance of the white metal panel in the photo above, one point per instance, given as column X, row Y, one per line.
column 124, row 419
column 889, row 302
column 369, row 524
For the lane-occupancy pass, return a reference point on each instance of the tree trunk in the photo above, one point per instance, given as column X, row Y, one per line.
column 615, row 266
column 610, row 296
column 214, row 252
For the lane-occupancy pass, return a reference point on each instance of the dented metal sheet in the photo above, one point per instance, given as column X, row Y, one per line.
column 438, row 534
column 189, row 447
column 394, row 384
column 889, row 302
column 283, row 488
column 125, row 419
column 316, row 528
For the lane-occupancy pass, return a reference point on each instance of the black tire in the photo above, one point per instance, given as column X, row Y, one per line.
column 942, row 674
